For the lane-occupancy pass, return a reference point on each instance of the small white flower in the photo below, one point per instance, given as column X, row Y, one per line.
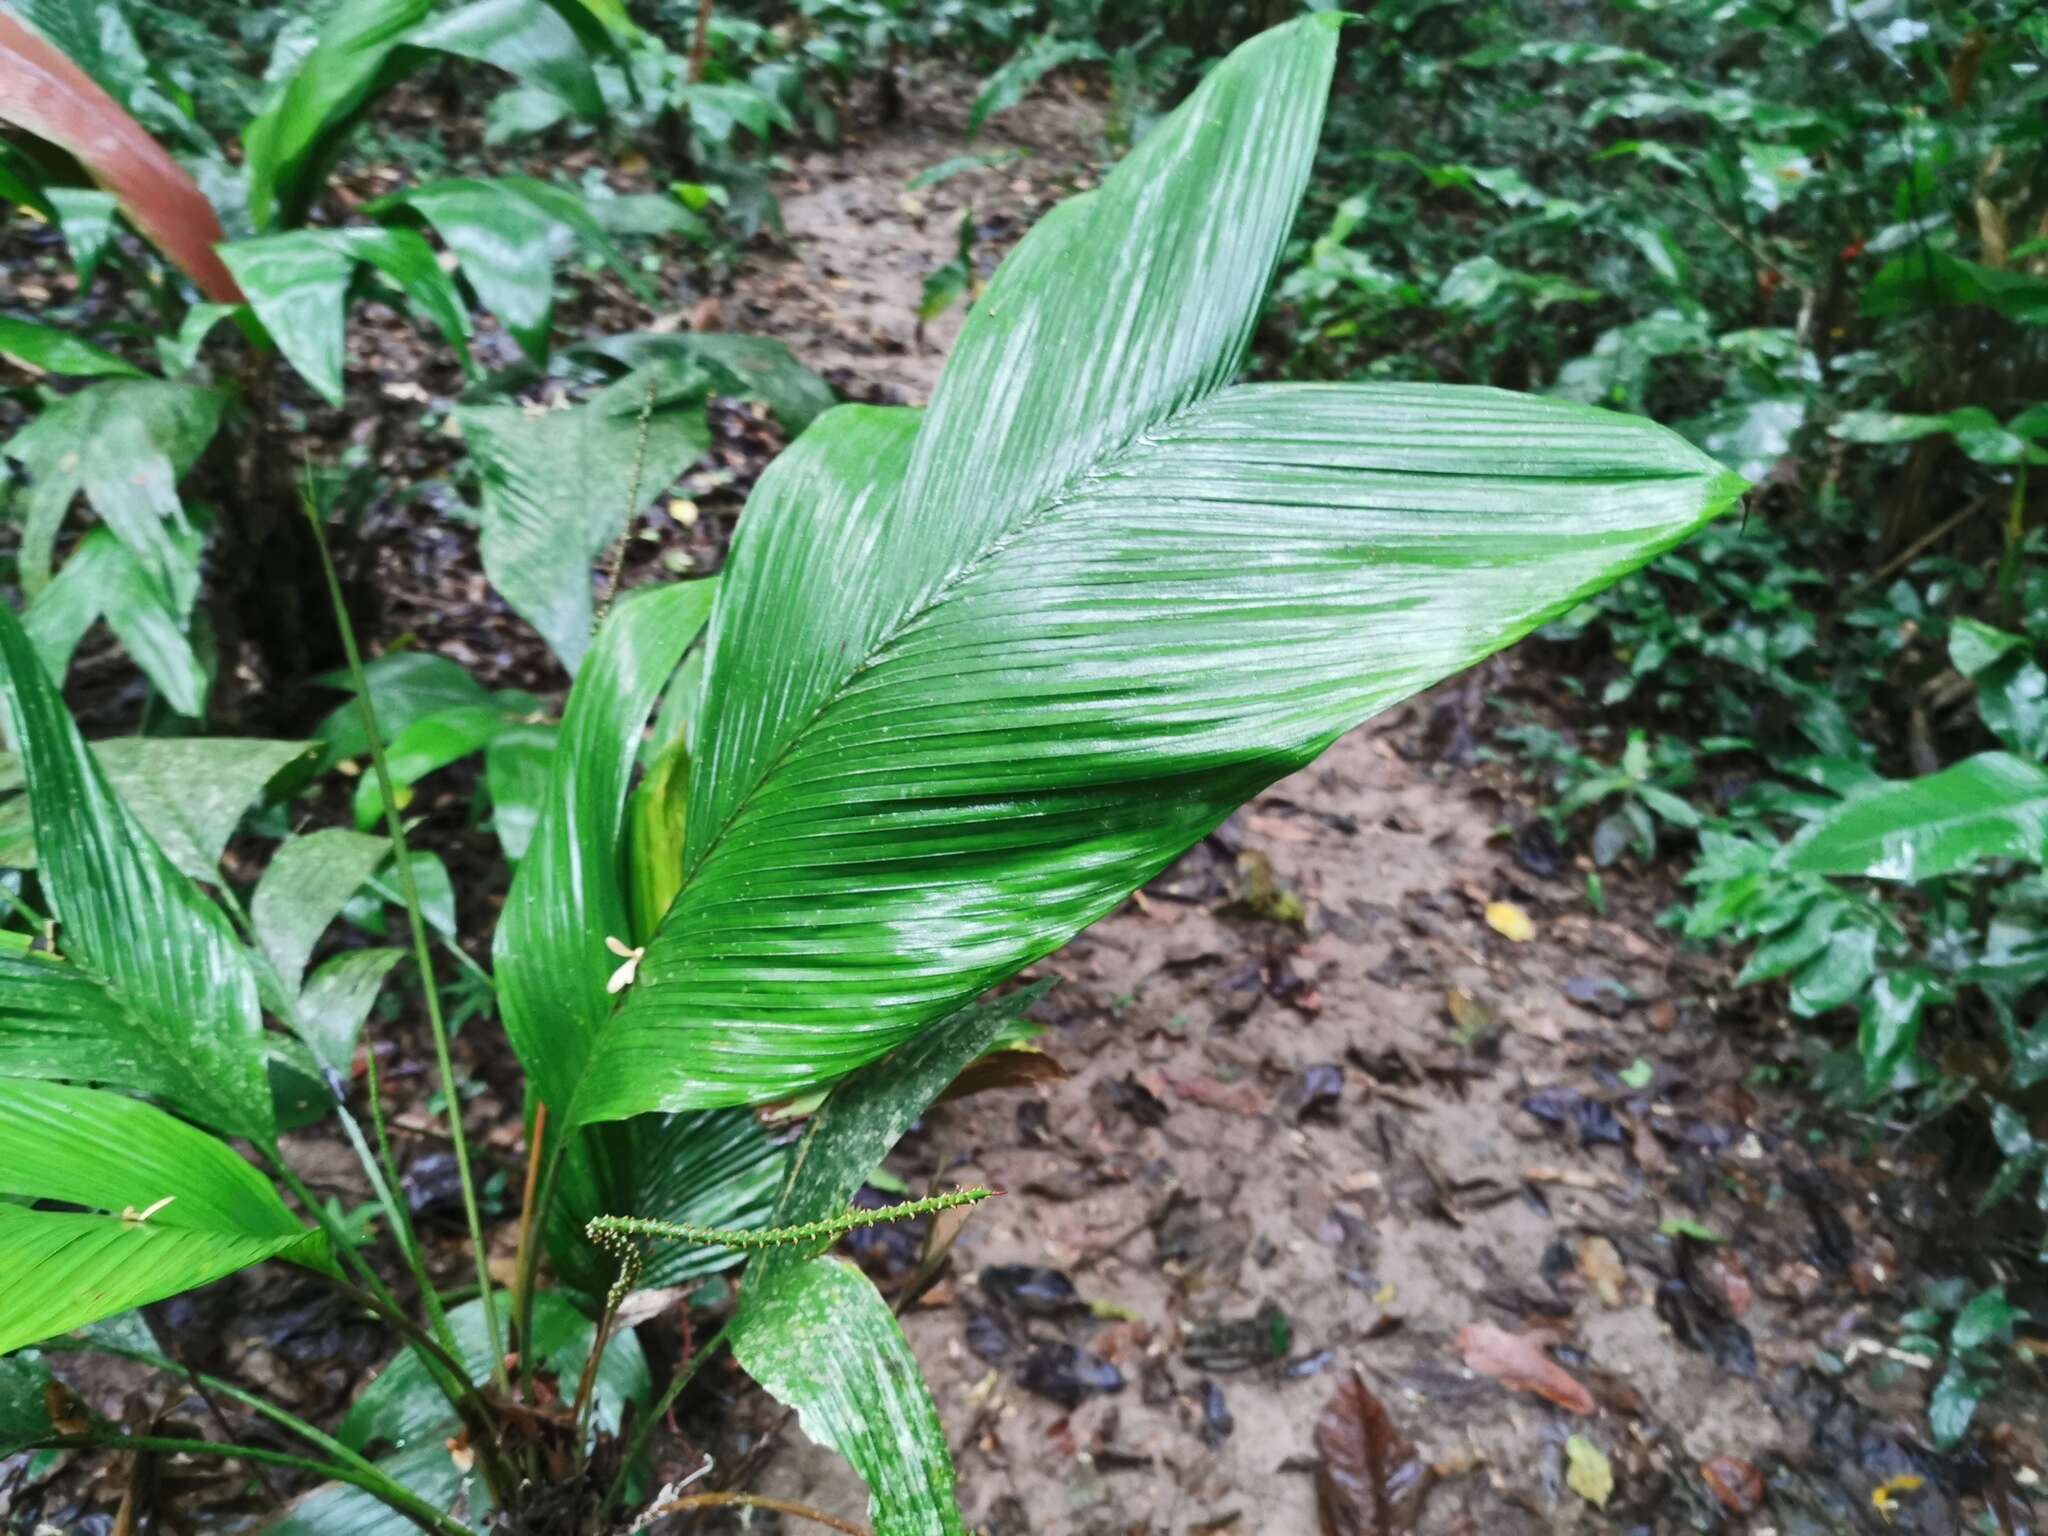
column 622, row 978
column 136, row 1218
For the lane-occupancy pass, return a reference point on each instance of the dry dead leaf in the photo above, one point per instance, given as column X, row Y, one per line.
column 1518, row 1362
column 1240, row 1098
column 1369, row 1480
column 1510, row 921
column 1737, row 1484
column 1601, row 1264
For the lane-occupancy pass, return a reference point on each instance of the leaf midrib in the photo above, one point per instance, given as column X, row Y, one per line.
column 1048, row 507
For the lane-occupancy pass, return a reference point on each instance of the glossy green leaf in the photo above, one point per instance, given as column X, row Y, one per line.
column 58, row 1023
column 429, row 744
column 103, row 580
column 526, row 38
column 126, row 443
column 965, row 690
column 557, row 488
column 717, row 110
column 287, row 147
column 751, row 367
column 179, row 352
column 549, row 953
column 404, row 686
column 1976, row 431
column 654, row 839
column 518, row 767
column 307, row 882
column 298, row 284
column 1953, row 1404
column 402, row 1406
column 508, row 232
column 1990, row 806
column 1922, row 279
column 89, row 220
column 209, row 1213
column 1008, row 85
column 820, row 1338
column 866, row 1115
column 336, row 1000
column 1891, row 1022
column 55, row 351
column 128, row 915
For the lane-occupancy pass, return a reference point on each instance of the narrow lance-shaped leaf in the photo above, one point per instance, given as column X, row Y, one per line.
column 56, row 351
column 304, row 887
column 125, row 912
column 181, row 1209
column 527, row 38
column 103, row 580
column 974, row 679
column 820, row 1338
column 507, row 232
column 45, row 93
column 126, row 443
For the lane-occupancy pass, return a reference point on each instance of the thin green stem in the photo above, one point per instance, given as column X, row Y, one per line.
column 422, row 953
column 312, row 1434
column 666, row 1401
column 375, row 1483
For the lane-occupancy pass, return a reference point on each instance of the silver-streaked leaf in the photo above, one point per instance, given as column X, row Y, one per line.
column 558, row 489
column 820, row 1338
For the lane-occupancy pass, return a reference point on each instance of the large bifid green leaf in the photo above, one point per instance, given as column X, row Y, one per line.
column 130, row 918
column 974, row 678
column 167, row 1207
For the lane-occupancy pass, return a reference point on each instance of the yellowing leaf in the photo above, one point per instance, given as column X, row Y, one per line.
column 1589, row 1473
column 1885, row 1497
column 1510, row 921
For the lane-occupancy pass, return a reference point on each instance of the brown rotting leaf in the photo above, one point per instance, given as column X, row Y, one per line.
column 1519, row 1362
column 1369, row 1478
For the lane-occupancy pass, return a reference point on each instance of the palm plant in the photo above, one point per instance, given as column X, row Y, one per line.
column 971, row 675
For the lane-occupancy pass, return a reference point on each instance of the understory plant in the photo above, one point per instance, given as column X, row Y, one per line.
column 184, row 447
column 971, row 675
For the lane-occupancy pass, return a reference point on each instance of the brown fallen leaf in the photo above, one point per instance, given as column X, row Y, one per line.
column 1737, row 1484
column 1601, row 1264
column 1518, row 1362
column 1017, row 1067
column 1239, row 1098
column 1369, row 1480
